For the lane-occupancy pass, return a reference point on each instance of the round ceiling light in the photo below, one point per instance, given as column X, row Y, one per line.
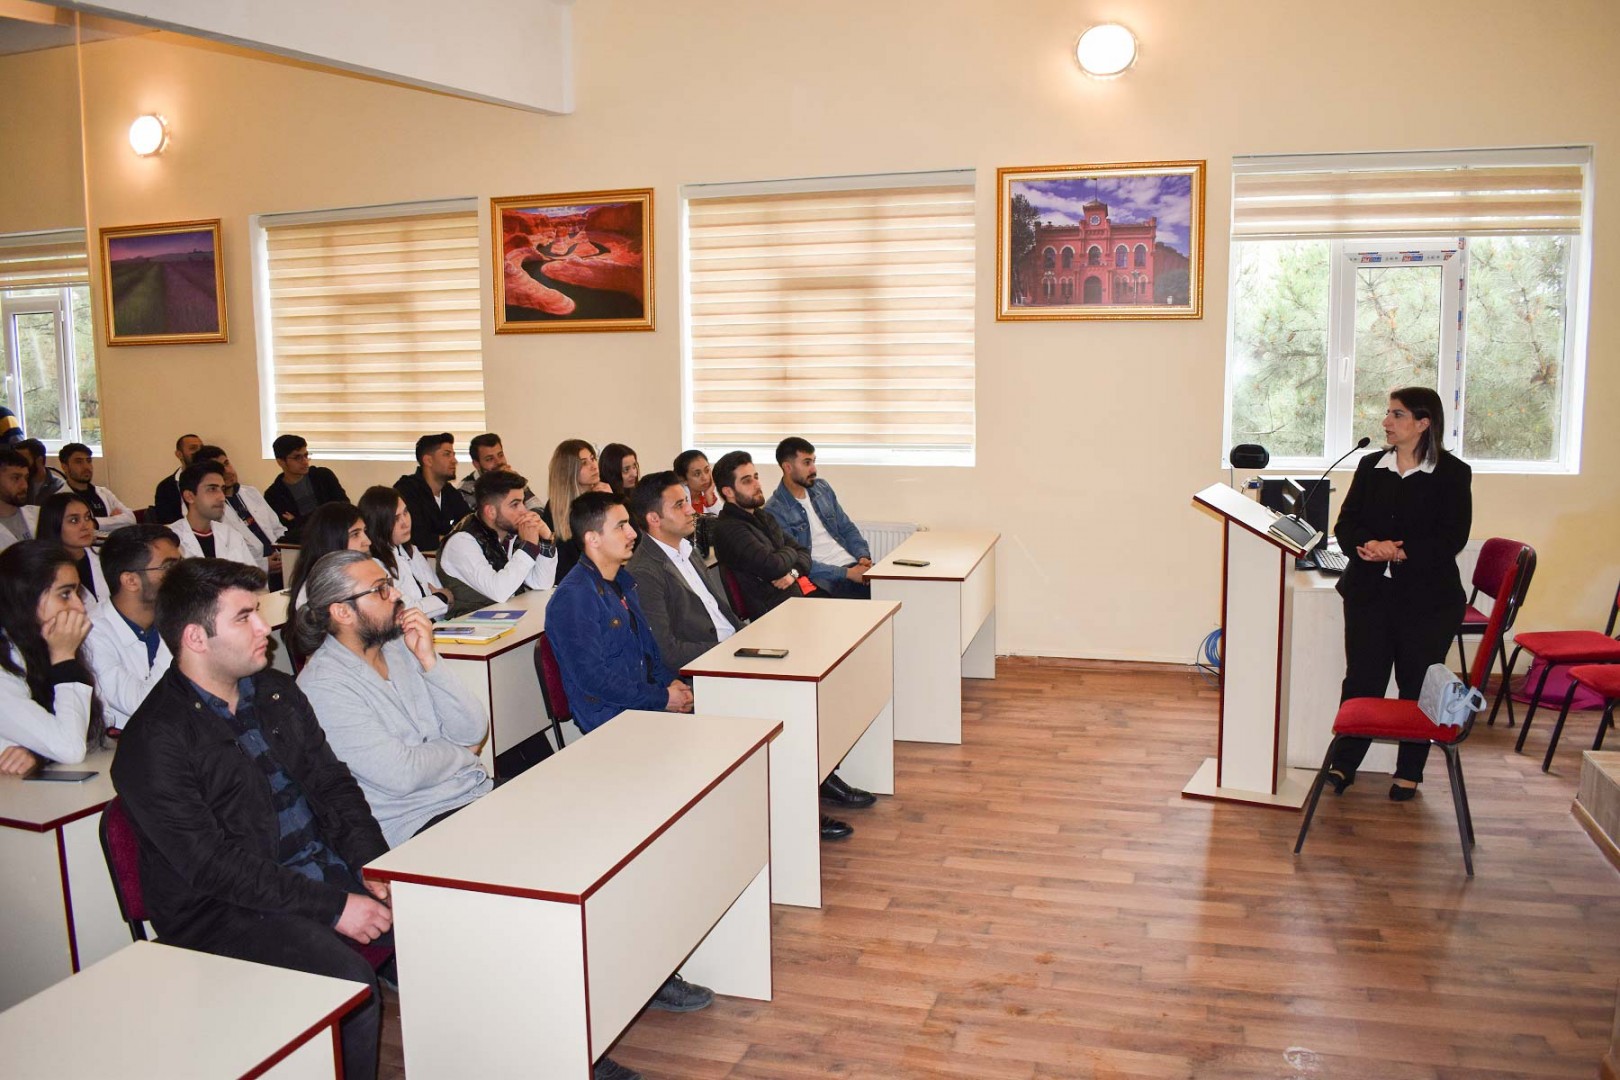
column 1106, row 50
column 148, row 135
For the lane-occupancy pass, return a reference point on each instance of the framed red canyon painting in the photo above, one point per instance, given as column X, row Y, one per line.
column 576, row 261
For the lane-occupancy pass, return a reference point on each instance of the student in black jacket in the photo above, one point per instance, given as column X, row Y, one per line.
column 430, row 493
column 167, row 505
column 1404, row 520
column 301, row 487
column 252, row 833
column 769, row 566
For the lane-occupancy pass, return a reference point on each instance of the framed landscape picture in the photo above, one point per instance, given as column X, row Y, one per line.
column 1122, row 241
column 578, row 261
column 163, row 284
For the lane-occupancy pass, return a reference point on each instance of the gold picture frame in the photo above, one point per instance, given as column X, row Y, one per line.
column 164, row 284
column 1061, row 253
column 575, row 261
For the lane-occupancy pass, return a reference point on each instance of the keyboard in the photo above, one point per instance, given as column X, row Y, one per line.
column 1331, row 562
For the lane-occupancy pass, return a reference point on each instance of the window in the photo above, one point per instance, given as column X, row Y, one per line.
column 1353, row 275
column 369, row 327
column 49, row 345
column 841, row 310
column 1122, row 257
column 1068, row 258
column 1094, row 256
column 1141, row 254
column 1047, row 258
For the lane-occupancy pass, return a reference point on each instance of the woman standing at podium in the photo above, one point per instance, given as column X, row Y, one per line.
column 1405, row 518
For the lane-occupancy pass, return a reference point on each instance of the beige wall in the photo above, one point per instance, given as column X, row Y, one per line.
column 43, row 186
column 1085, row 462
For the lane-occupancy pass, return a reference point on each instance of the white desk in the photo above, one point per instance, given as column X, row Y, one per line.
column 946, row 629
column 153, row 1011
column 533, row 926
column 501, row 676
column 58, row 912
column 834, row 696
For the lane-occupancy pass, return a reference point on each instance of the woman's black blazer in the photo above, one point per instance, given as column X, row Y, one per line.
column 1431, row 513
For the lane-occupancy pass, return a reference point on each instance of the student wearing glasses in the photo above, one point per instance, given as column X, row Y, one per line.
column 125, row 652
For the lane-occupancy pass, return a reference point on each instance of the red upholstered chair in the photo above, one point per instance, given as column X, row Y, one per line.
column 551, row 687
column 1559, row 648
column 1604, row 681
column 734, row 592
column 1398, row 720
column 1495, row 559
column 122, row 850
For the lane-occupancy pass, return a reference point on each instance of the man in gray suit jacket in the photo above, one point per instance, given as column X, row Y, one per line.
column 683, row 599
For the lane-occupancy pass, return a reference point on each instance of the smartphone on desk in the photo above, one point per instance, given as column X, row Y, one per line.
column 911, row 562
column 61, row 776
column 761, row 654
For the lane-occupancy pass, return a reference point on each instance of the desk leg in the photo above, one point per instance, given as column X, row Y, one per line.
column 490, row 985
column 927, row 659
column 735, row 958
column 979, row 662
column 870, row 762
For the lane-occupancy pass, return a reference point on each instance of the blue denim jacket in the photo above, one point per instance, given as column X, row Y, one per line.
column 791, row 516
column 609, row 659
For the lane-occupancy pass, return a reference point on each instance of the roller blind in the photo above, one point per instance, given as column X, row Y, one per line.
column 843, row 316
column 1465, row 192
column 374, row 329
column 44, row 260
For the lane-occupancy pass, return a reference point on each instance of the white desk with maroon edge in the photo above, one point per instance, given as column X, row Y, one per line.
column 834, row 696
column 155, row 1012
column 946, row 629
column 532, row 926
column 501, row 676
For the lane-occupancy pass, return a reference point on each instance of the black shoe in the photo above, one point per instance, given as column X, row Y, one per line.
column 1397, row 793
column 1340, row 781
column 833, row 829
column 678, row 995
column 835, row 791
column 608, row 1069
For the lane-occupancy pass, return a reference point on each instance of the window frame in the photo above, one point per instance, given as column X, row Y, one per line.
column 56, row 301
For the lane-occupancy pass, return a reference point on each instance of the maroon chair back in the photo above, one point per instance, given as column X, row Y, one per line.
column 734, row 592
column 122, row 849
column 551, row 683
column 1508, row 597
column 1495, row 559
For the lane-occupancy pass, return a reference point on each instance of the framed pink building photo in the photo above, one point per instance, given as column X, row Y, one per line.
column 1122, row 241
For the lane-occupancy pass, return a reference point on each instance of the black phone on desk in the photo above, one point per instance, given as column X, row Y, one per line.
column 62, row 776
column 761, row 654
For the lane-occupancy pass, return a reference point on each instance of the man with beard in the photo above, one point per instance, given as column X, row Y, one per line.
column 14, row 524
column 768, row 565
column 488, row 455
column 248, row 513
column 808, row 511
column 399, row 719
column 430, row 493
column 79, row 470
column 252, row 833
column 125, row 652
column 500, row 549
column 202, row 532
column 167, row 505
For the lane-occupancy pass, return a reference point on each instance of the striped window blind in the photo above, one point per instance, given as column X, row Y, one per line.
column 44, row 260
column 374, row 331
column 844, row 316
column 1479, row 193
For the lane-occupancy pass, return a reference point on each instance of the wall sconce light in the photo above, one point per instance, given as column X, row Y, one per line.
column 149, row 135
column 1106, row 50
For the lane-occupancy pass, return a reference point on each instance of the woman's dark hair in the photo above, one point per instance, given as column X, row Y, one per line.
column 27, row 570
column 378, row 506
column 1424, row 404
column 325, row 530
column 53, row 510
column 611, row 464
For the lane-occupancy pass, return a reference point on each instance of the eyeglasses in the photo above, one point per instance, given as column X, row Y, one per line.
column 164, row 566
column 382, row 588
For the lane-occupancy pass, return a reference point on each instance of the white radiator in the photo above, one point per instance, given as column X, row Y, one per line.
column 885, row 536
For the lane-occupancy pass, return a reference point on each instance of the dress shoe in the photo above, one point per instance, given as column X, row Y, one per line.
column 1340, row 781
column 838, row 793
column 678, row 995
column 833, row 829
column 608, row 1069
column 1400, row 793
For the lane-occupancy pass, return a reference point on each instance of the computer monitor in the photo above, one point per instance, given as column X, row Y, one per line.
column 1287, row 494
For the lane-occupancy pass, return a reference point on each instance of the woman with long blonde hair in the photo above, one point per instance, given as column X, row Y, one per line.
column 574, row 471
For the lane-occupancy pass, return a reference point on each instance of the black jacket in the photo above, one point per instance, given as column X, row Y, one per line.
column 754, row 548
column 431, row 519
column 1431, row 513
column 167, row 505
column 324, row 483
column 567, row 550
column 202, row 809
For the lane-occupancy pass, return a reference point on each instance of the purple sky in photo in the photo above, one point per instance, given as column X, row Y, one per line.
column 1129, row 198
column 148, row 247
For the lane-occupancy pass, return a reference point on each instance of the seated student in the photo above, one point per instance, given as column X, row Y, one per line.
column 252, row 833
column 124, row 650
column 430, row 492
column 15, row 525
column 808, row 511
column 42, row 483
column 769, row 566
column 48, row 703
column 248, row 513
column 488, row 454
column 66, row 518
column 401, row 721
column 388, row 523
column 574, row 471
column 620, row 470
column 334, row 526
column 692, row 466
column 202, row 532
column 79, row 474
column 684, row 601
column 167, row 505
column 498, row 550
column 301, row 487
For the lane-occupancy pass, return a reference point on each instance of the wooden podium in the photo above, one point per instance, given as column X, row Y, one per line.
column 1251, row 762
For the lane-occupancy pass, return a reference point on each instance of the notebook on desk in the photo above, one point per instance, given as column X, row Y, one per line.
column 471, row 633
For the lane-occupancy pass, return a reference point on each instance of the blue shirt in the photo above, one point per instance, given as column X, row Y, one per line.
column 152, row 639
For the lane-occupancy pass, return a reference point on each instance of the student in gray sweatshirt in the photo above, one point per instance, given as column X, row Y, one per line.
column 391, row 711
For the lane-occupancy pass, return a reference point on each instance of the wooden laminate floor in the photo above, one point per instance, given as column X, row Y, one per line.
column 1040, row 902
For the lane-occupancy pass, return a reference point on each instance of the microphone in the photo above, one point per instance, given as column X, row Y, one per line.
column 1298, row 531
column 1362, row 445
